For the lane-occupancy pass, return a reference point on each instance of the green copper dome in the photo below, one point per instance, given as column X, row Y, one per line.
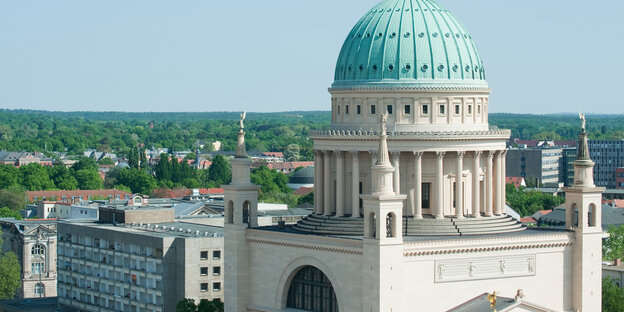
column 409, row 43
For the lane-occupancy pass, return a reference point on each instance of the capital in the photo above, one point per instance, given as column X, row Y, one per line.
column 418, row 154
column 461, row 154
column 440, row 155
column 477, row 154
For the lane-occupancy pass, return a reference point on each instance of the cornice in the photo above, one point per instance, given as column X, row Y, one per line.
column 412, row 135
column 310, row 242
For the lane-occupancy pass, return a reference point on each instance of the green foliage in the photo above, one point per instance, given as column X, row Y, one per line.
column 526, row 203
column 292, row 152
column 289, row 199
column 139, row 181
column 88, row 179
column 85, row 163
column 613, row 246
column 10, row 274
column 122, row 187
column 220, row 171
column 9, row 176
column 271, row 181
column 6, row 212
column 106, row 162
column 62, row 177
column 13, row 198
column 612, row 296
column 309, row 198
column 34, row 177
column 186, row 305
column 210, row 306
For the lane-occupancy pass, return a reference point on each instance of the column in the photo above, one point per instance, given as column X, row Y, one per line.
column 497, row 185
column 417, row 185
column 327, row 184
column 318, row 182
column 489, row 185
column 459, row 188
column 396, row 182
column 340, row 179
column 355, row 184
column 503, row 193
column 439, row 186
column 476, row 185
column 373, row 156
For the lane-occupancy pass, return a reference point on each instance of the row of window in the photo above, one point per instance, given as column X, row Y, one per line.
column 407, row 109
column 203, row 287
column 216, row 255
column 216, row 271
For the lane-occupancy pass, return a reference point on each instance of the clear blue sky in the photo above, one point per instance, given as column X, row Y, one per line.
column 279, row 55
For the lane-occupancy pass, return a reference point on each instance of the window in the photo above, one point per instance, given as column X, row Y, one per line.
column 373, row 109
column 216, row 254
column 425, row 109
column 359, row 109
column 426, row 195
column 389, row 109
column 408, row 109
column 37, row 268
column 216, row 270
column 346, row 109
column 203, row 287
column 469, row 109
column 216, row 286
column 456, row 109
column 203, row 255
column 203, row 271
column 479, row 109
column 37, row 250
column 39, row 289
column 338, row 109
column 442, row 109
column 311, row 290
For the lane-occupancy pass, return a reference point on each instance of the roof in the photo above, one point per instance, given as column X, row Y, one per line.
column 303, row 176
column 409, row 42
column 189, row 230
column 480, row 303
column 528, row 220
column 76, row 193
column 303, row 191
column 610, row 216
column 516, row 181
column 284, row 165
column 274, row 154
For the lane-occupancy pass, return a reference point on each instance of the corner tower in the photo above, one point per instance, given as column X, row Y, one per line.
column 583, row 217
column 241, row 212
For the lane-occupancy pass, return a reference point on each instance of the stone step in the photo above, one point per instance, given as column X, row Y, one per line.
column 338, row 224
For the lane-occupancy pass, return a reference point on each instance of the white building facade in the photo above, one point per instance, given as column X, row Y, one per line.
column 409, row 192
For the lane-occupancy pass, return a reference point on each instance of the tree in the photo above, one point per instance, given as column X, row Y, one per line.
column 6, row 212
column 9, row 176
column 88, row 179
column 271, row 181
column 309, row 199
column 85, row 163
column 220, row 170
column 292, row 152
column 10, row 274
column 163, row 168
column 13, row 198
column 35, row 177
column 137, row 180
column 612, row 296
column 186, row 305
column 62, row 177
column 527, row 203
column 613, row 246
column 106, row 161
column 210, row 306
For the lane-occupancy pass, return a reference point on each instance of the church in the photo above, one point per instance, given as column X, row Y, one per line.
column 409, row 193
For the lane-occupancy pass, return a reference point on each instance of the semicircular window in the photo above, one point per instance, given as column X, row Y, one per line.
column 311, row 290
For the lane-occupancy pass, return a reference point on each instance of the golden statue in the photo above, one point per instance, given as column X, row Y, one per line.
column 492, row 299
column 242, row 118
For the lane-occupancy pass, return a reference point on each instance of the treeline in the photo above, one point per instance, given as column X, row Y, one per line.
column 74, row 132
column 35, row 177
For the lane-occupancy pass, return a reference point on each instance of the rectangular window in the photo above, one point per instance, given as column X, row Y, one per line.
column 203, row 271
column 456, row 109
column 37, row 268
column 479, row 109
column 389, row 109
column 216, row 254
column 373, row 109
column 338, row 109
column 442, row 109
column 359, row 109
column 346, row 109
column 426, row 195
column 453, row 194
column 203, row 287
column 408, row 109
column 203, row 255
column 216, row 270
column 216, row 286
column 425, row 109
column 469, row 109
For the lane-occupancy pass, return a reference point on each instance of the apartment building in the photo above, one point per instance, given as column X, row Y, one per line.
column 608, row 155
column 619, row 178
column 542, row 164
column 119, row 264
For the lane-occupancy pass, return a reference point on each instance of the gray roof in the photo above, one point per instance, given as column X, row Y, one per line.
column 610, row 216
column 184, row 209
column 481, row 304
column 303, row 176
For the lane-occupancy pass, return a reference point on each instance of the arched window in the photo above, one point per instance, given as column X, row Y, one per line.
column 311, row 290
column 371, row 225
column 39, row 289
column 390, row 225
column 229, row 213
column 246, row 206
column 592, row 215
column 38, row 249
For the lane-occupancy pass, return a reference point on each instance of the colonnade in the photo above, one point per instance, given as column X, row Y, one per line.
column 493, row 178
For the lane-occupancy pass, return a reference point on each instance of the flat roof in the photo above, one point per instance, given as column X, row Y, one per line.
column 189, row 230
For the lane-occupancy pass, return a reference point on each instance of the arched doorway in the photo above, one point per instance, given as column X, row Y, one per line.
column 311, row 290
